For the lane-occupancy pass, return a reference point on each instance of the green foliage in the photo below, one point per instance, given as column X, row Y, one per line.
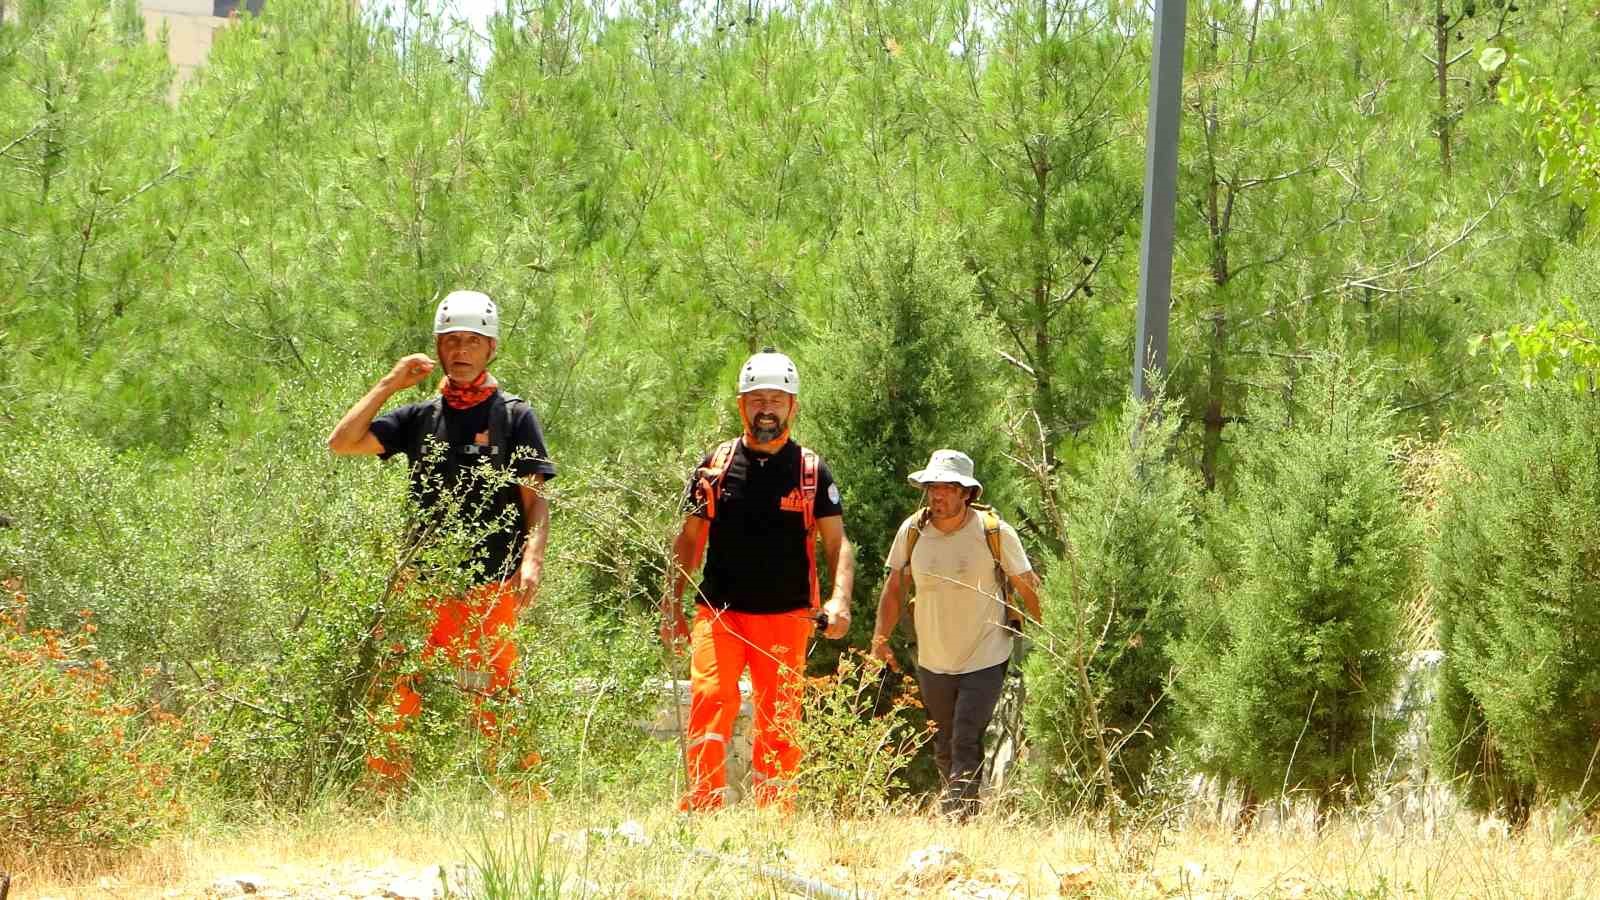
column 1516, row 597
column 1563, row 126
column 1545, row 348
column 859, row 738
column 1098, row 712
column 1562, row 123
column 903, row 368
column 90, row 764
column 1287, row 676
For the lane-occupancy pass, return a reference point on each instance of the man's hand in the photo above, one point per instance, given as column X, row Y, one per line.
column 353, row 435
column 674, row 628
column 409, row 371
column 838, row 610
column 882, row 651
column 529, row 575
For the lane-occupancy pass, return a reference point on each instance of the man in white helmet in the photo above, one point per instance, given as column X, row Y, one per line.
column 476, row 454
column 754, row 511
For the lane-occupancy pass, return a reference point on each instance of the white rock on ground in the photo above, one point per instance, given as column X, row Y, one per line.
column 929, row 866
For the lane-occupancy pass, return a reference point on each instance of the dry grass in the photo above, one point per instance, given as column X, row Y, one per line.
column 283, row 853
column 1350, row 859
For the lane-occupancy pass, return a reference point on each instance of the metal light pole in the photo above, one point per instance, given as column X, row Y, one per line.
column 1160, row 195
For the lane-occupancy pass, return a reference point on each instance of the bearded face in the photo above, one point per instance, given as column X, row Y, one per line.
column 947, row 500
column 767, row 414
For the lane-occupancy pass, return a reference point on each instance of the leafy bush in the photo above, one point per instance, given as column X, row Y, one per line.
column 1287, row 674
column 90, row 765
column 858, row 739
column 1518, row 597
column 271, row 580
column 1098, row 712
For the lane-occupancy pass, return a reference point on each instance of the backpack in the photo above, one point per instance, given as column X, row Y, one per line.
column 991, row 536
column 711, row 476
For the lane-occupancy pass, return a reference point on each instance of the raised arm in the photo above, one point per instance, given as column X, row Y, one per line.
column 353, row 435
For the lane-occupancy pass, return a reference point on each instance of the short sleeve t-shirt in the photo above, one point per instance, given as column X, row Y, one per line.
column 759, row 556
column 498, row 512
column 959, row 616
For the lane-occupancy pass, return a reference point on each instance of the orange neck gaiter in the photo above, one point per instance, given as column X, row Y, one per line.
column 465, row 396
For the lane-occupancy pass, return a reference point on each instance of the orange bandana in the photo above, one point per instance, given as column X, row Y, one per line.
column 470, row 395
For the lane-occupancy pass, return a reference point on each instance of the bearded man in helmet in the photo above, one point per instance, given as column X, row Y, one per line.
column 754, row 511
column 477, row 454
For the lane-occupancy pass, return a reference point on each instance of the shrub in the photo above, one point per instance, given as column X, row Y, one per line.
column 1518, row 596
column 270, row 580
column 89, row 765
column 1098, row 711
column 1288, row 671
column 858, row 738
column 907, row 369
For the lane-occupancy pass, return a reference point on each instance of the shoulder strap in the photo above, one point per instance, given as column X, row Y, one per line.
column 991, row 536
column 713, row 473
column 923, row 516
column 430, row 424
column 500, row 427
column 810, row 465
column 991, row 532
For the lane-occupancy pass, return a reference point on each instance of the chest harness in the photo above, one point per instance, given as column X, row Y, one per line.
column 497, row 452
column 713, row 474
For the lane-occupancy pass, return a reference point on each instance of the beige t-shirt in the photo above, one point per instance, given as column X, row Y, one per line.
column 959, row 617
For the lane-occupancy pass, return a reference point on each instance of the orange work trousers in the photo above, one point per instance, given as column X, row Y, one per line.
column 473, row 632
column 722, row 644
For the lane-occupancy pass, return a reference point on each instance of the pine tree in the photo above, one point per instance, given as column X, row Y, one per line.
column 1290, row 685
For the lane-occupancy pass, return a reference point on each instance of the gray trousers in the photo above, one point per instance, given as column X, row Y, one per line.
column 960, row 707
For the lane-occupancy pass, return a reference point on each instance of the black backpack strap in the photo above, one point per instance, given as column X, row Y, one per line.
column 430, row 424
column 500, row 428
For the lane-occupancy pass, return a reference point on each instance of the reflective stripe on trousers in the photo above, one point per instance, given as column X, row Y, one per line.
column 722, row 644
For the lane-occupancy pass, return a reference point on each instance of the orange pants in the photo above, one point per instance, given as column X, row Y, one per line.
column 473, row 633
column 721, row 645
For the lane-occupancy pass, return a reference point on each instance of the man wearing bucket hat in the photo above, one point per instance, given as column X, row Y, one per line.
column 755, row 510
column 965, row 564
column 478, row 459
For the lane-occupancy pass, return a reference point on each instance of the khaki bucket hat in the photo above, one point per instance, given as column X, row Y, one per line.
column 947, row 467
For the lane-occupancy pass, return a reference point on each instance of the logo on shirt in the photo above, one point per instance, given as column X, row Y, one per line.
column 833, row 494
column 794, row 501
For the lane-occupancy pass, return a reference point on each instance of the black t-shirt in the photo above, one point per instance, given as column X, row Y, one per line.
column 759, row 555
column 498, row 515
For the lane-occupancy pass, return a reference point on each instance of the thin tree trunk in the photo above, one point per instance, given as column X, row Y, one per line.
column 1216, row 380
column 1441, row 49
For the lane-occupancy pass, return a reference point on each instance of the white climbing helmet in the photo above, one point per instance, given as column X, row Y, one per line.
column 769, row 370
column 467, row 311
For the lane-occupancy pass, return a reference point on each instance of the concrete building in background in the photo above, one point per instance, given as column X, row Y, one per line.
column 191, row 27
